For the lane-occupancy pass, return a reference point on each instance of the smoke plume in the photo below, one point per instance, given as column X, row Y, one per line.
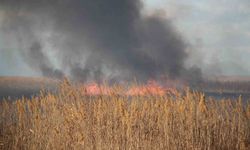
column 95, row 39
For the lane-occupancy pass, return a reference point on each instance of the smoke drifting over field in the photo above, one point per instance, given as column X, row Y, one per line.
column 95, row 40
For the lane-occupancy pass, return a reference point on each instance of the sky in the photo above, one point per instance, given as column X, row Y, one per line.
column 218, row 32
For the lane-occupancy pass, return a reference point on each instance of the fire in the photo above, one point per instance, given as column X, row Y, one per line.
column 151, row 88
column 95, row 89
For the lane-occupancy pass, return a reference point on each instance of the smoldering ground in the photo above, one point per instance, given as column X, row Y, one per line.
column 95, row 40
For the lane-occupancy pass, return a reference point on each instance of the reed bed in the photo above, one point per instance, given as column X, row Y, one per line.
column 74, row 119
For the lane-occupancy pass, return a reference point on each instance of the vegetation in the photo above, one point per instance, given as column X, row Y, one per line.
column 75, row 119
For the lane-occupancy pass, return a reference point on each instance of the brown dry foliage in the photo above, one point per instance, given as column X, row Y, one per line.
column 74, row 120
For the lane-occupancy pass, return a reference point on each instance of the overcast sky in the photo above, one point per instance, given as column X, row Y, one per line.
column 218, row 32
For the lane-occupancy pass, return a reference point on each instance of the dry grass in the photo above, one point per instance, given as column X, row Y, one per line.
column 73, row 119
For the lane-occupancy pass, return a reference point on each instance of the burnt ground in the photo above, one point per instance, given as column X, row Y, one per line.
column 17, row 87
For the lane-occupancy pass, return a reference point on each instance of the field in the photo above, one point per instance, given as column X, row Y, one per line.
column 101, row 117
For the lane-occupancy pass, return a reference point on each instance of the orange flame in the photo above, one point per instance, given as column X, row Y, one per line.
column 95, row 89
column 151, row 88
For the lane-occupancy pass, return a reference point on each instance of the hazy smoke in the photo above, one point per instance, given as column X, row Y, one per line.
column 96, row 39
column 39, row 60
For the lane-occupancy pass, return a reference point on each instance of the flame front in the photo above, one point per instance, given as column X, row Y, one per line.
column 151, row 88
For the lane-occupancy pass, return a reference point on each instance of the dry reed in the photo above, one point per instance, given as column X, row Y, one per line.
column 72, row 119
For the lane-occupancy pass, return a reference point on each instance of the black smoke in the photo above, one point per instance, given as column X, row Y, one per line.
column 96, row 39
